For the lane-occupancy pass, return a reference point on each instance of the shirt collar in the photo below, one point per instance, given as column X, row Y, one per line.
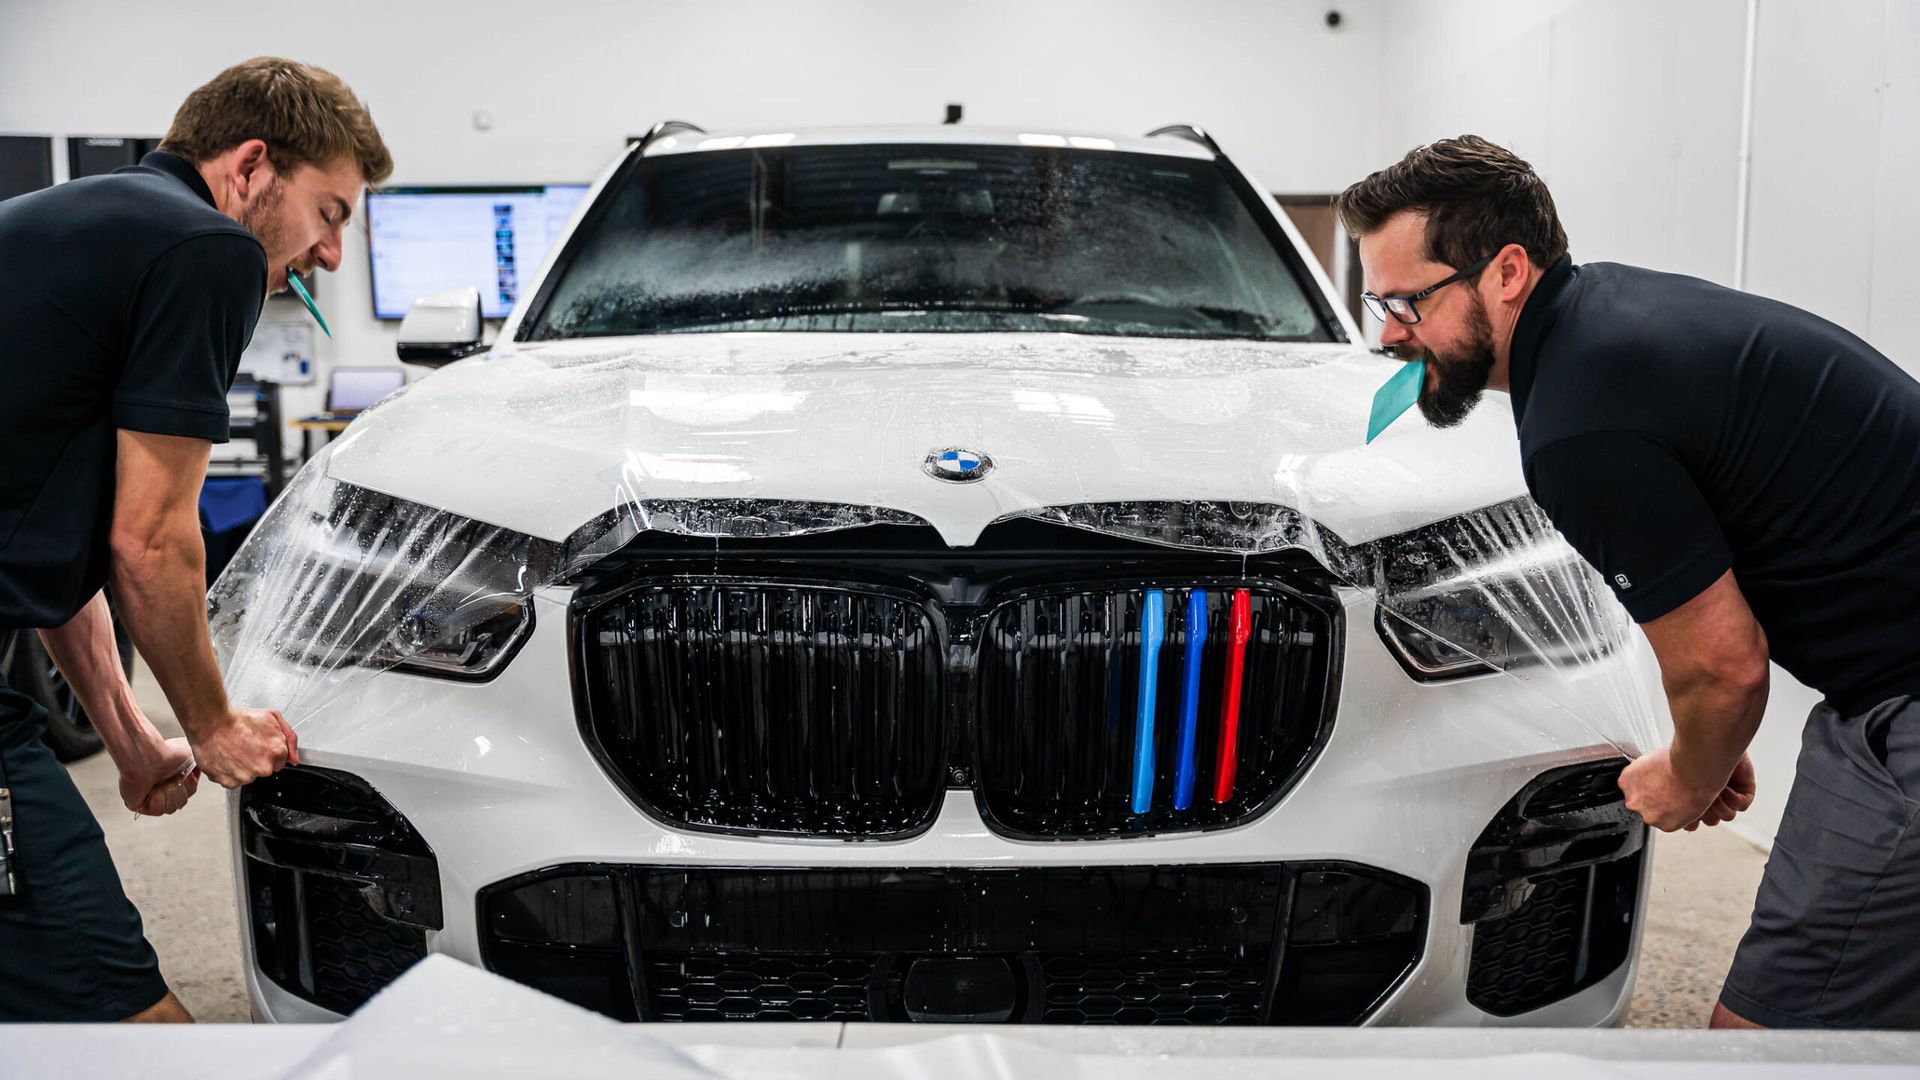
column 1542, row 310
column 180, row 169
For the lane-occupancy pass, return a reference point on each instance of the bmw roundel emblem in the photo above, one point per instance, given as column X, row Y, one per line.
column 956, row 465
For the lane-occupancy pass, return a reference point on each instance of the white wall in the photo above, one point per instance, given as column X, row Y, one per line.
column 1631, row 110
column 568, row 80
column 1836, row 142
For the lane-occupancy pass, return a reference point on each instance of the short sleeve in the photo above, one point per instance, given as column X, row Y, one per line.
column 1631, row 508
column 192, row 317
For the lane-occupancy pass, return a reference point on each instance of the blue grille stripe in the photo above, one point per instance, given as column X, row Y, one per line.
column 1153, row 630
column 1183, row 773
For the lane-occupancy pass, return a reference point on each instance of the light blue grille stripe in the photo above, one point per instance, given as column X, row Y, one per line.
column 1153, row 630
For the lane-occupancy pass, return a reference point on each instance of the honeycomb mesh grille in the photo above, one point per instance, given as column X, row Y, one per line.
column 1174, row 988
column 356, row 952
column 749, row 987
column 1531, row 957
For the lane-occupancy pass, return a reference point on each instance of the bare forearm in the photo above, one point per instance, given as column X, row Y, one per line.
column 1713, row 722
column 87, row 655
column 161, row 587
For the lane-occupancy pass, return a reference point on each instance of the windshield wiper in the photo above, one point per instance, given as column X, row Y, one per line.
column 1153, row 312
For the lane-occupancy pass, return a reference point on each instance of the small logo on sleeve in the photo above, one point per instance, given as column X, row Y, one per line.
column 1621, row 580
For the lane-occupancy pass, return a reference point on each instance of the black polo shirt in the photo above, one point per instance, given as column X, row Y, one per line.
column 1674, row 429
column 125, row 302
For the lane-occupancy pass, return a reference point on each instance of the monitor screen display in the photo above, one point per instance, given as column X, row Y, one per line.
column 427, row 240
column 350, row 389
column 26, row 164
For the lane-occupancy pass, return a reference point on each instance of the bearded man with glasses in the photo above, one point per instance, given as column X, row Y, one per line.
column 1746, row 477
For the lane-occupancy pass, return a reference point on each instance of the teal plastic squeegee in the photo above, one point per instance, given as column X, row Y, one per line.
column 1396, row 396
column 307, row 299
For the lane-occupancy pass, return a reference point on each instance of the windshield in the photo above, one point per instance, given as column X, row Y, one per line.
column 926, row 238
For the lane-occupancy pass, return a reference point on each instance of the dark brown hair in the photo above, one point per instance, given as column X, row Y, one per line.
column 304, row 114
column 1478, row 198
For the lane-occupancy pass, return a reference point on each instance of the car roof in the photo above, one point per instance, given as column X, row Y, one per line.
column 682, row 140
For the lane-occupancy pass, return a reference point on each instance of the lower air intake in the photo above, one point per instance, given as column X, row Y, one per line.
column 341, row 890
column 1228, row 944
column 1552, row 890
column 1576, row 929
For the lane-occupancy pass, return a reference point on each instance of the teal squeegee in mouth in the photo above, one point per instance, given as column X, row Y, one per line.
column 306, row 298
column 1396, row 396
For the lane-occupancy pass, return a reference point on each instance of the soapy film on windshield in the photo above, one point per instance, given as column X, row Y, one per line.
column 339, row 581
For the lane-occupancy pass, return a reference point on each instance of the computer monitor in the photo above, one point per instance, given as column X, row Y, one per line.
column 26, row 164
column 425, row 240
column 98, row 155
column 351, row 389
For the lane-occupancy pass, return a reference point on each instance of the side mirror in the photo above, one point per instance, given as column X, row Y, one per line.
column 441, row 328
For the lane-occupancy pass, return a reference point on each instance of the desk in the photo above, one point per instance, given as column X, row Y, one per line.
column 307, row 425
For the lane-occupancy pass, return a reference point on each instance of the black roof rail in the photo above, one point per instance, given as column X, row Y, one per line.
column 1190, row 133
column 666, row 127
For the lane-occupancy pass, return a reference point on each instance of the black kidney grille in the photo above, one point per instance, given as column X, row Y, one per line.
column 1059, row 708
column 774, row 708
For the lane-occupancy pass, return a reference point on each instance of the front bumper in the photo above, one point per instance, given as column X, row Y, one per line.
column 499, row 782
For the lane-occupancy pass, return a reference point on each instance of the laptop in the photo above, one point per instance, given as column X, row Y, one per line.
column 353, row 389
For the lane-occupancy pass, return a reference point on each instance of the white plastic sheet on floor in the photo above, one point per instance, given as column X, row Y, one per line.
column 446, row 1019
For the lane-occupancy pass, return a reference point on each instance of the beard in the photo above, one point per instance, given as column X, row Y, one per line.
column 263, row 219
column 1459, row 377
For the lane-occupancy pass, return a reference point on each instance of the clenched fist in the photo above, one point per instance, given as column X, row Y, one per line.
column 1655, row 792
column 163, row 783
column 251, row 744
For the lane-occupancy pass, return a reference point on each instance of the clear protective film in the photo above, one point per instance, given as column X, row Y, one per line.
column 421, row 538
column 1493, row 590
column 1500, row 589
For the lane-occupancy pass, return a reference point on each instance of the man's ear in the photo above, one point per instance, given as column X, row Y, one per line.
column 1513, row 268
column 252, row 172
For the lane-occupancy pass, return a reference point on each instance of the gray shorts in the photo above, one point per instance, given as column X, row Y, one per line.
column 1835, row 938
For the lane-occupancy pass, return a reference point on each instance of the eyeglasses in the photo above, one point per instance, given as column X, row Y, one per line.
column 1403, row 308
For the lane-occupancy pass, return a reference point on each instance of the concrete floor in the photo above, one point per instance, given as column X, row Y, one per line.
column 177, row 870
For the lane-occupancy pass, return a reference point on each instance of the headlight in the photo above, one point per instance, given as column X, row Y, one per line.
column 469, row 651
column 1492, row 590
column 338, row 576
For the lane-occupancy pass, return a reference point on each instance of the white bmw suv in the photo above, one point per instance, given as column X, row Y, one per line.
column 931, row 574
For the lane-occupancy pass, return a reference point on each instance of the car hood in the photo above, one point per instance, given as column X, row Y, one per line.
column 543, row 438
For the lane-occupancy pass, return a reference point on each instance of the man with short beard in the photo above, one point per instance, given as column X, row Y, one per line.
column 1743, row 474
column 128, row 300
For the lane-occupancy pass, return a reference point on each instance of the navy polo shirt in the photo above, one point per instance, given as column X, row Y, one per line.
column 125, row 303
column 1674, row 429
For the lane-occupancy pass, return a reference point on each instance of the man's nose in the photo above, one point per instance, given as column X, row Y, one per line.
column 1394, row 332
column 327, row 252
